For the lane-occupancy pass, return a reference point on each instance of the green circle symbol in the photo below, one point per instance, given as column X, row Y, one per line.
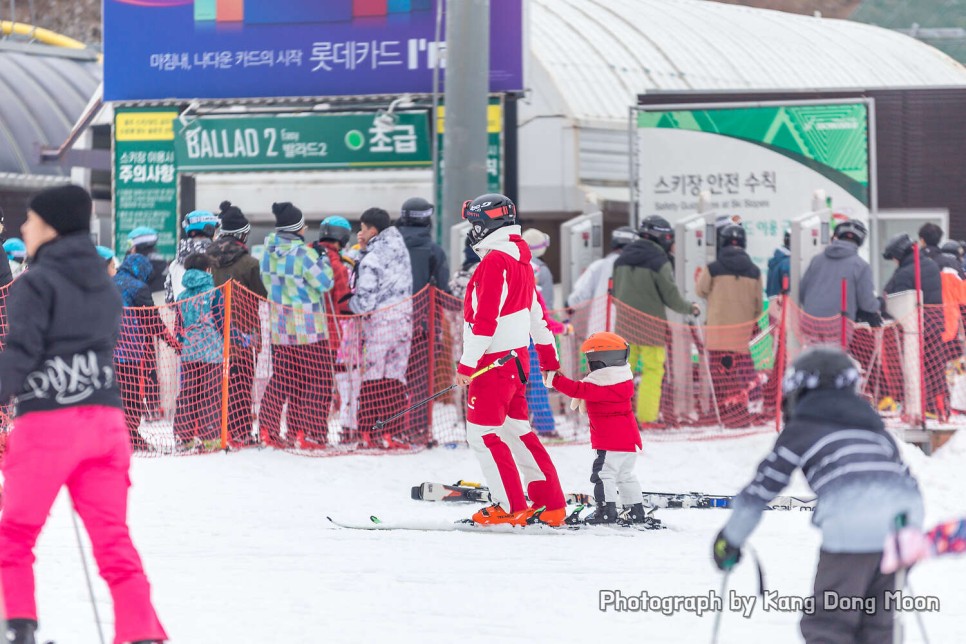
column 355, row 140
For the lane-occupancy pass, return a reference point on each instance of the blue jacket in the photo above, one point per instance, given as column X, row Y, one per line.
column 201, row 311
column 779, row 267
column 131, row 281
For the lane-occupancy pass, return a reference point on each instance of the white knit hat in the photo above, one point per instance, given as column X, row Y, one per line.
column 538, row 241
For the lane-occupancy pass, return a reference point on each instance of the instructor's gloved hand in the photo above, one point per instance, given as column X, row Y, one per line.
column 548, row 379
column 725, row 555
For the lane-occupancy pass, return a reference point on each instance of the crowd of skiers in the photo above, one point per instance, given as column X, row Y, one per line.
column 639, row 272
column 316, row 347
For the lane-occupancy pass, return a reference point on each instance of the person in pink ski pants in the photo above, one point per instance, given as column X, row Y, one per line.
column 69, row 429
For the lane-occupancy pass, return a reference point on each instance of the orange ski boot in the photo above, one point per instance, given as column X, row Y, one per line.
column 496, row 515
column 554, row 518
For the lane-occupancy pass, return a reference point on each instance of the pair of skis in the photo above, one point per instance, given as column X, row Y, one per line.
column 469, row 492
column 467, row 525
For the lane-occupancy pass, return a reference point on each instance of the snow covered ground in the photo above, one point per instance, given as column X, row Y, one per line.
column 238, row 549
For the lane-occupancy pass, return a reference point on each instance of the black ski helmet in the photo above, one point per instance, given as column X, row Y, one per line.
column 487, row 213
column 733, row 235
column 823, row 367
column 898, row 247
column 623, row 236
column 337, row 229
column 657, row 229
column 416, row 211
column 852, row 230
column 953, row 248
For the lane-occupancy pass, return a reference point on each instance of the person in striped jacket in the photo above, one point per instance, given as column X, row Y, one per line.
column 855, row 468
column 501, row 313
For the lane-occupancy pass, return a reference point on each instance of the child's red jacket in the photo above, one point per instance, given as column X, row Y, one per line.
column 608, row 392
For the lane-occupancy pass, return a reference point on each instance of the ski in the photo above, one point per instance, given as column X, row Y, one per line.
column 459, row 492
column 700, row 500
column 948, row 538
column 375, row 523
column 467, row 492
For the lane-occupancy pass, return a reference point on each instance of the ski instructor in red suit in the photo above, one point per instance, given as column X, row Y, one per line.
column 501, row 313
column 69, row 430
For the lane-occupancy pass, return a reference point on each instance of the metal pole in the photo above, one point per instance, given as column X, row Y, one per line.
column 435, row 115
column 467, row 96
column 511, row 167
column 922, row 339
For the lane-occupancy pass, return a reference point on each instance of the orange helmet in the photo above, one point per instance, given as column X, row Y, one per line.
column 605, row 349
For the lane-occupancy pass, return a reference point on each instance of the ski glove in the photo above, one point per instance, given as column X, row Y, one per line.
column 725, row 555
column 548, row 379
column 578, row 404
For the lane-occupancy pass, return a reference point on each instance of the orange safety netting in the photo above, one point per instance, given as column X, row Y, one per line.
column 912, row 365
column 230, row 369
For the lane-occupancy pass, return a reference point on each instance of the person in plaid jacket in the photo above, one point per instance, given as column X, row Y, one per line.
column 296, row 279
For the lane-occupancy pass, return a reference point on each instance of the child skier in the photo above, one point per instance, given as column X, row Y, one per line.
column 502, row 312
column 607, row 393
column 69, row 429
column 201, row 318
column 853, row 465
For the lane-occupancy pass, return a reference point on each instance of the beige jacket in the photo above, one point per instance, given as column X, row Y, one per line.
column 733, row 288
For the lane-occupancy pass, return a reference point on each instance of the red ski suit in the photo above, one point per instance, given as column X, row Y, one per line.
column 608, row 393
column 502, row 312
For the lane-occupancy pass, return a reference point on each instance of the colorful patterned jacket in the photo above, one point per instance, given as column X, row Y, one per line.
column 296, row 278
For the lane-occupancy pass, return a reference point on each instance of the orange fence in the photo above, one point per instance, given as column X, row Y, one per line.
column 229, row 369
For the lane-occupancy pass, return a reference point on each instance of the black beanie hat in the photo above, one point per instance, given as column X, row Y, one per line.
column 233, row 220
column 67, row 209
column 288, row 218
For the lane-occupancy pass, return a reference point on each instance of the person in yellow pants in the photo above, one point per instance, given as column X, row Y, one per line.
column 644, row 288
column 649, row 362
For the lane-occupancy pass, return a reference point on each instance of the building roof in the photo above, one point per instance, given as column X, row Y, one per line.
column 46, row 91
column 600, row 54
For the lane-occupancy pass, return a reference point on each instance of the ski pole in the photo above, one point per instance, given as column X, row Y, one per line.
column 717, row 618
column 707, row 367
column 902, row 583
column 87, row 575
column 380, row 424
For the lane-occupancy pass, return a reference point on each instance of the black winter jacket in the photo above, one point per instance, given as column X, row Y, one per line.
column 943, row 260
column 427, row 258
column 904, row 279
column 63, row 316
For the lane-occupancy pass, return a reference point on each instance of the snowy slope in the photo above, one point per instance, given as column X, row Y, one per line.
column 238, row 550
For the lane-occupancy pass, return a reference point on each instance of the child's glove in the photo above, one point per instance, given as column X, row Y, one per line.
column 548, row 379
column 578, row 404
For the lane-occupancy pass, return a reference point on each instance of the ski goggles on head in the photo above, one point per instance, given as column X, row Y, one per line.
column 490, row 213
